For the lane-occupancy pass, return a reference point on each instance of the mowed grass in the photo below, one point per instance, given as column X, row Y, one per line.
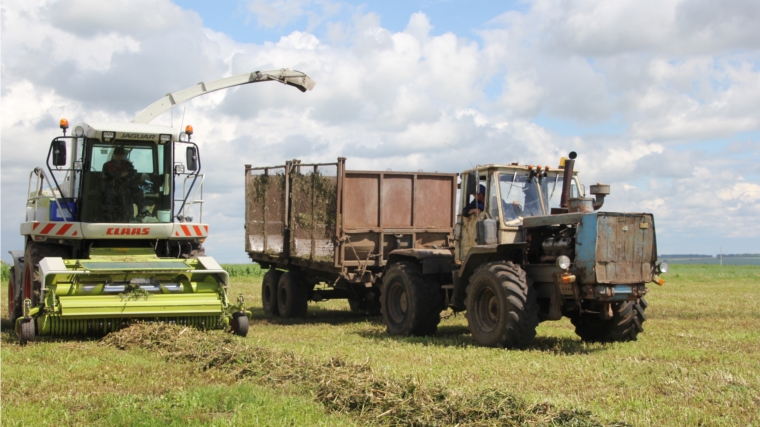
column 696, row 363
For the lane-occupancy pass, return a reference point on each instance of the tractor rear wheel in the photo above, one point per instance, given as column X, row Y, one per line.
column 26, row 331
column 625, row 325
column 240, row 324
column 269, row 292
column 411, row 303
column 292, row 296
column 502, row 309
column 14, row 300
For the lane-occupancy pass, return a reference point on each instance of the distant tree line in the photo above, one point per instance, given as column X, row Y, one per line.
column 708, row 256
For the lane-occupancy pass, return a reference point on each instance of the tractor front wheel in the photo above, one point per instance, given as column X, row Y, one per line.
column 625, row 325
column 269, row 292
column 502, row 310
column 292, row 296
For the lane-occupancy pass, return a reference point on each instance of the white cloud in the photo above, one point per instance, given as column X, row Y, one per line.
column 412, row 99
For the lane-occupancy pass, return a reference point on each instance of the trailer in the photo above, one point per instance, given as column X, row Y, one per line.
column 325, row 232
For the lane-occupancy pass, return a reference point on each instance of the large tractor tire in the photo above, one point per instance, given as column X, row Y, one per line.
column 410, row 303
column 35, row 252
column 292, row 296
column 14, row 297
column 269, row 292
column 625, row 325
column 502, row 309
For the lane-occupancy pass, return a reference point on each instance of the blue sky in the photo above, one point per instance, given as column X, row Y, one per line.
column 660, row 98
column 460, row 17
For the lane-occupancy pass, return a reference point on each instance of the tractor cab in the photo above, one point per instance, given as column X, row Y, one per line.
column 511, row 194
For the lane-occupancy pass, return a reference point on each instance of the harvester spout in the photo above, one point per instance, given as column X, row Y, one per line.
column 285, row 76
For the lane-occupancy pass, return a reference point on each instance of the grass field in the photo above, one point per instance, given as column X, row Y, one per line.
column 696, row 364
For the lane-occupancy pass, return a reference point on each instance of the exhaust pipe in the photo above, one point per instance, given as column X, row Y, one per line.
column 567, row 180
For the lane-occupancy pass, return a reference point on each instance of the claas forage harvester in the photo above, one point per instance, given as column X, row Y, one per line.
column 114, row 229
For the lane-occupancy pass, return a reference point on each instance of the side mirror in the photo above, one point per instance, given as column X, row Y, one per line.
column 59, row 153
column 192, row 158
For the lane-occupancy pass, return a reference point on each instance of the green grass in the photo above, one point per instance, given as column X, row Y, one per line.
column 695, row 364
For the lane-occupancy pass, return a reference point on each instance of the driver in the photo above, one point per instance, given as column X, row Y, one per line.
column 122, row 188
column 476, row 206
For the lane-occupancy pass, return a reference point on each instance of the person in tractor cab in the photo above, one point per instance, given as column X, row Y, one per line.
column 122, row 188
column 476, row 206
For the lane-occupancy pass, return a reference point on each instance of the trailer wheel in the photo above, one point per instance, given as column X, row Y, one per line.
column 292, row 296
column 269, row 292
column 14, row 301
column 240, row 324
column 411, row 304
column 26, row 331
column 502, row 309
column 361, row 306
column 625, row 325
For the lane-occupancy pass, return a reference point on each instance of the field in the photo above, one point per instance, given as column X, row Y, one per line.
column 696, row 364
column 715, row 261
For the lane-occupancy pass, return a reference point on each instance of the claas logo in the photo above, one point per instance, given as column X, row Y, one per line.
column 128, row 231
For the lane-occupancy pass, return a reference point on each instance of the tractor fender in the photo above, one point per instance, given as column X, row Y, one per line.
column 432, row 261
column 481, row 254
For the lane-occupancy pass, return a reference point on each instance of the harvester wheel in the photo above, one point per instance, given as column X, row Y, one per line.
column 269, row 292
column 240, row 324
column 411, row 303
column 14, row 301
column 625, row 324
column 26, row 331
column 35, row 252
column 292, row 296
column 502, row 310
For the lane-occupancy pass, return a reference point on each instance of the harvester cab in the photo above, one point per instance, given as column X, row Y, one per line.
column 114, row 229
column 538, row 249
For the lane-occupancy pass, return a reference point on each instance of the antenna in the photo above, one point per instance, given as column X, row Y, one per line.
column 463, row 153
column 182, row 123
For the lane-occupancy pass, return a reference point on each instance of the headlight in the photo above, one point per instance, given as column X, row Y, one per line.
column 78, row 131
column 563, row 262
column 662, row 267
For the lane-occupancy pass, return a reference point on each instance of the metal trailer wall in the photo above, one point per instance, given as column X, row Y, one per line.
column 324, row 217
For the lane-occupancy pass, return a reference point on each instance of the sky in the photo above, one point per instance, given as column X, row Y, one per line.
column 659, row 98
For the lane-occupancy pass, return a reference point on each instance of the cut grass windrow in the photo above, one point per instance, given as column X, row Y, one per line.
column 345, row 387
